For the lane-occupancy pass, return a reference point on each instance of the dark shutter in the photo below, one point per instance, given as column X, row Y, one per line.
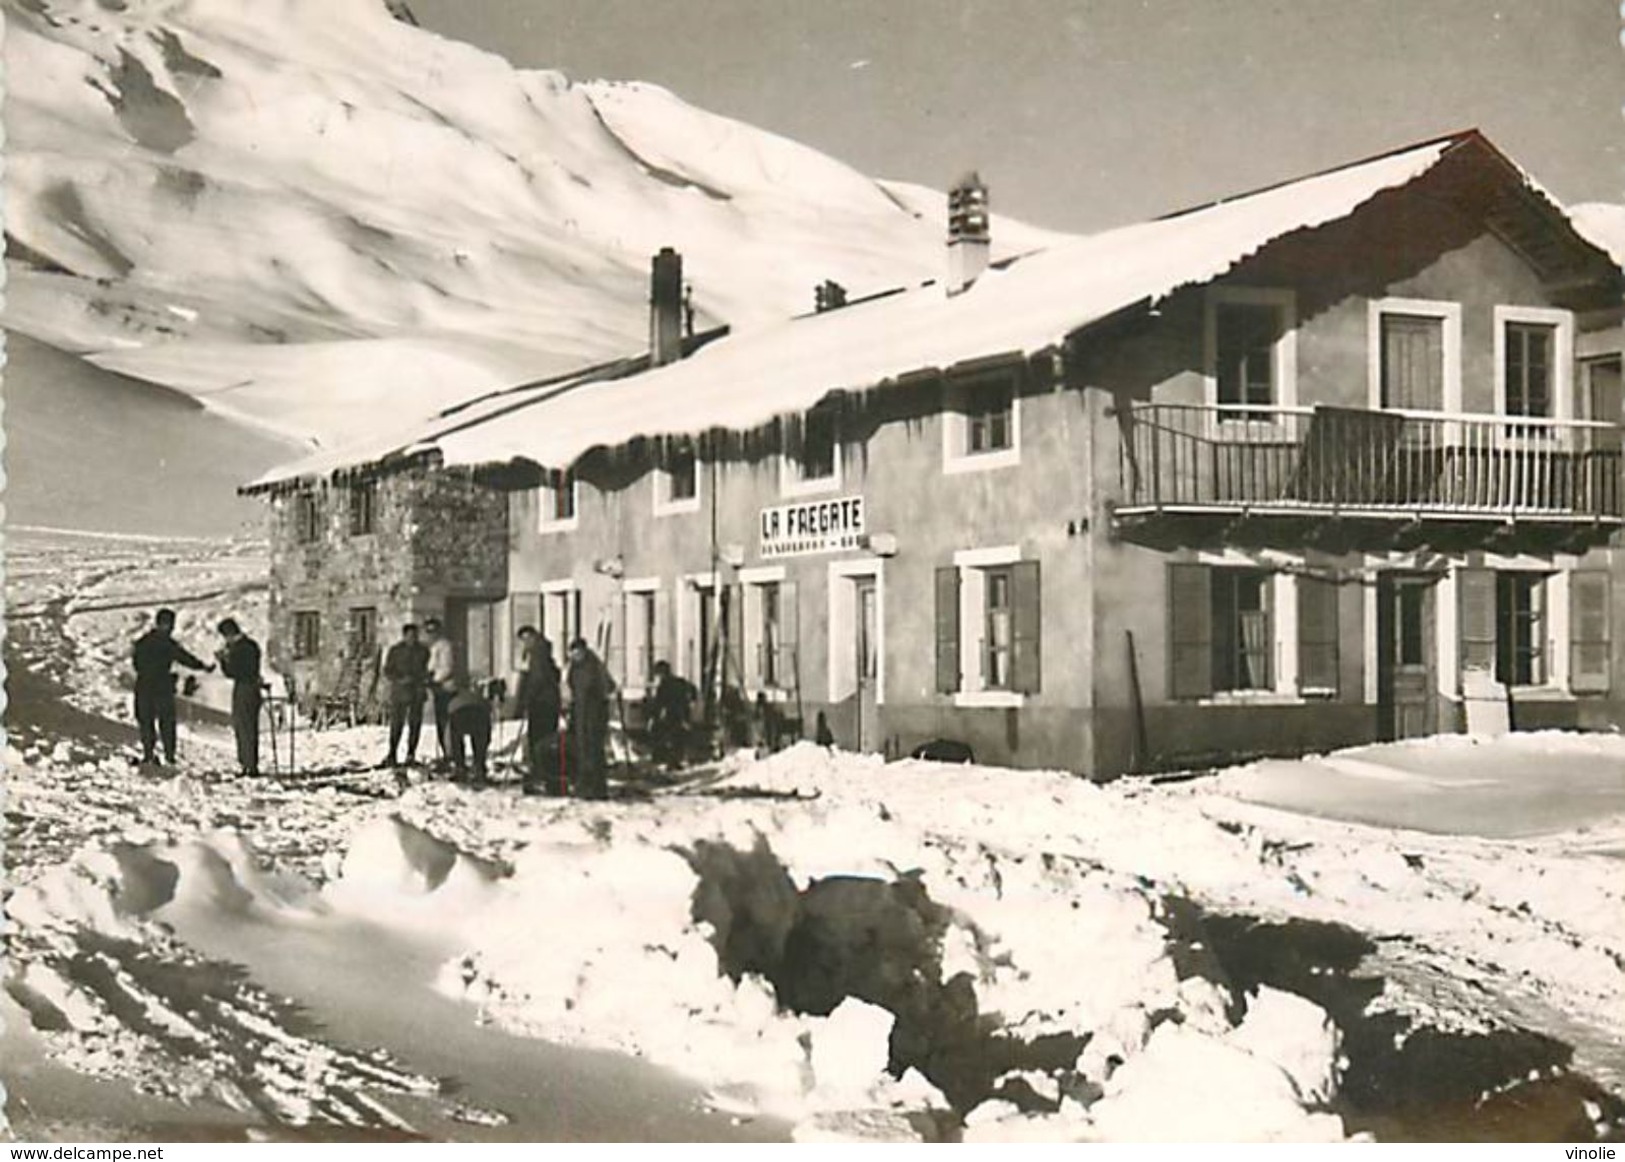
column 1317, row 634
column 1190, row 631
column 1589, row 631
column 734, row 662
column 947, row 629
column 789, row 667
column 1026, row 658
column 1477, row 602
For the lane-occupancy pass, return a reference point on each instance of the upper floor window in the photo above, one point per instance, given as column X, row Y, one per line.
column 307, row 517
column 307, row 634
column 1415, row 355
column 677, row 483
column 812, row 462
column 1251, row 350
column 363, row 508
column 557, row 502
column 1528, row 369
column 981, row 424
column 1534, row 364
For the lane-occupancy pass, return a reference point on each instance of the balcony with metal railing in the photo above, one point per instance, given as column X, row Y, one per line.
column 1350, row 479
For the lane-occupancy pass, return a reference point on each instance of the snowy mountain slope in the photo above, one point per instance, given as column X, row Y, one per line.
column 89, row 449
column 222, row 195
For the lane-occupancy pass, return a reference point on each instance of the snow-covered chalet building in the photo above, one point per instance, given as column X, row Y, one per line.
column 1315, row 465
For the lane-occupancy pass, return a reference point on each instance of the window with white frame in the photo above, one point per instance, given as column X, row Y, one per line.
column 557, row 502
column 981, row 423
column 561, row 615
column 1239, row 630
column 812, row 455
column 1534, row 362
column 1516, row 623
column 1251, row 351
column 988, row 627
column 677, row 482
column 770, row 628
column 1415, row 354
column 640, row 618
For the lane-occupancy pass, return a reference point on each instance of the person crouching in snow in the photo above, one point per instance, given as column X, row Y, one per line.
column 468, row 731
column 240, row 661
column 156, row 654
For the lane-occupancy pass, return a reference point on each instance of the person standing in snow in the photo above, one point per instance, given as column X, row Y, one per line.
column 442, row 681
column 539, row 697
column 406, row 669
column 156, row 654
column 240, row 661
column 589, row 718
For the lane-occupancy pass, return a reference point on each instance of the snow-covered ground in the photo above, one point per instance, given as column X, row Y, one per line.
column 865, row 949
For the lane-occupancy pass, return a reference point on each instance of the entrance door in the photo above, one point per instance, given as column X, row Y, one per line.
column 1405, row 674
column 867, row 654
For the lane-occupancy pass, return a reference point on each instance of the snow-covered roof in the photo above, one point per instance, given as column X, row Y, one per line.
column 1019, row 307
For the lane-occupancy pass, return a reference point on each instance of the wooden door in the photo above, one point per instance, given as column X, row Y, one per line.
column 866, row 653
column 1406, row 676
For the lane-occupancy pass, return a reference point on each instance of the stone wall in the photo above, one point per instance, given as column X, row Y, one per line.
column 435, row 536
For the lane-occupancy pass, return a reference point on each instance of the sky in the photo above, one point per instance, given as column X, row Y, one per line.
column 1086, row 113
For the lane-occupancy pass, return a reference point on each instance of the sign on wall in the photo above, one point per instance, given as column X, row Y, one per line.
column 812, row 526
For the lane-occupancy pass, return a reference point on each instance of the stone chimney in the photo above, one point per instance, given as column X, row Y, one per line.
column 829, row 296
column 968, row 235
column 666, row 308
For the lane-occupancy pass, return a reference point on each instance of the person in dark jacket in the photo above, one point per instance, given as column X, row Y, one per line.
column 240, row 661
column 156, row 654
column 589, row 719
column 468, row 731
column 539, row 698
column 406, row 669
column 670, row 706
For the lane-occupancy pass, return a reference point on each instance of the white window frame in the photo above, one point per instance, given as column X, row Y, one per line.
column 693, row 588
column 1283, row 599
column 544, row 506
column 1558, row 572
column 640, row 587
column 664, row 505
column 1448, row 312
column 751, row 582
column 564, row 587
column 1562, row 355
column 793, row 484
column 956, row 456
column 1285, row 353
column 843, row 612
column 973, row 565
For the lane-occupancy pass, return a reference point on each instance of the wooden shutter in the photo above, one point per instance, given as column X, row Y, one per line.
column 733, row 671
column 618, row 622
column 1317, row 634
column 754, row 620
column 789, row 635
column 478, row 656
column 1412, row 362
column 663, row 651
column 947, row 629
column 1026, row 658
column 1477, row 601
column 1190, row 631
column 1589, row 631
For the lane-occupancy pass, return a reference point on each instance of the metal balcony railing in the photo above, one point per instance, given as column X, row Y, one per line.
column 1350, row 460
